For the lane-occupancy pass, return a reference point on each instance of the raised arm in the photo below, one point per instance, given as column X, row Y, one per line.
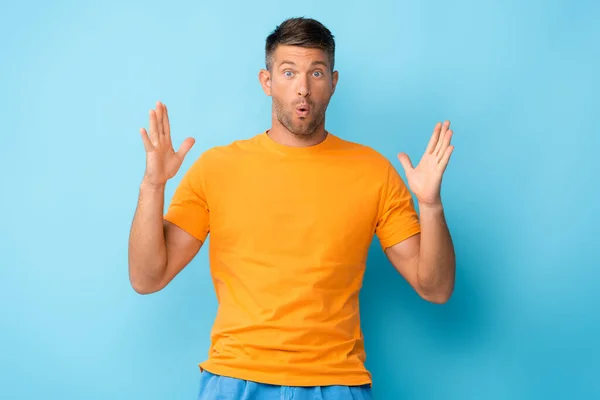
column 158, row 249
column 427, row 260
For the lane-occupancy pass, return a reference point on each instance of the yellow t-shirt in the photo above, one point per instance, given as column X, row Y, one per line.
column 290, row 231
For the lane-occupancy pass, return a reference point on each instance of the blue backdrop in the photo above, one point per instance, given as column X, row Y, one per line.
column 518, row 81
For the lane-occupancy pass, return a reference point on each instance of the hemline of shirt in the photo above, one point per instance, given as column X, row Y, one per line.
column 285, row 379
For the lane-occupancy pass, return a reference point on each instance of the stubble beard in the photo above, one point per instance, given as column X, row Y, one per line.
column 304, row 128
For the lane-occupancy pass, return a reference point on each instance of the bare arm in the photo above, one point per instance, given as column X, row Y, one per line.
column 427, row 260
column 158, row 249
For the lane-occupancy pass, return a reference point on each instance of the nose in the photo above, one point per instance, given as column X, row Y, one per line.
column 303, row 87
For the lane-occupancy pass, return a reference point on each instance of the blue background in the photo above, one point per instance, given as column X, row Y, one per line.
column 518, row 81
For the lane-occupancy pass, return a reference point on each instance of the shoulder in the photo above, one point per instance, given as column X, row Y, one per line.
column 235, row 148
column 364, row 155
column 218, row 156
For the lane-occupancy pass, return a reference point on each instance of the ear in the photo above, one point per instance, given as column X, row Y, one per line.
column 334, row 81
column 264, row 77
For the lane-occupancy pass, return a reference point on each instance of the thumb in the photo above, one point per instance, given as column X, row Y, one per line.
column 405, row 161
column 185, row 147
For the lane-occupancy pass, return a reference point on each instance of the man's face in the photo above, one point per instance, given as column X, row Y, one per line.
column 301, row 84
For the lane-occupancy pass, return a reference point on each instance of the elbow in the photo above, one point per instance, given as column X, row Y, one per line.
column 142, row 285
column 441, row 298
column 438, row 296
column 438, row 290
column 142, row 289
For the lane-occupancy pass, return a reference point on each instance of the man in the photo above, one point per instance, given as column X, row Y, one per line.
column 291, row 213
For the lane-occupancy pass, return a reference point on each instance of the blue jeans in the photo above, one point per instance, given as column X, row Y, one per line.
column 216, row 387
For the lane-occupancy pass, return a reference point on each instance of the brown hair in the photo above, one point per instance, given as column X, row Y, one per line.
column 303, row 32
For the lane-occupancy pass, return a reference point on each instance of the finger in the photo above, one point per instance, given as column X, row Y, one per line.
column 185, row 147
column 446, row 158
column 445, row 144
column 434, row 138
column 147, row 143
column 153, row 128
column 405, row 161
column 166, row 124
column 159, row 118
column 438, row 146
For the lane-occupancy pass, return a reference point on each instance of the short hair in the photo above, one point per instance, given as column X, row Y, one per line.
column 303, row 32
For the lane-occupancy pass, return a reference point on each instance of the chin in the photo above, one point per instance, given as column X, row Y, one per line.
column 298, row 127
column 303, row 132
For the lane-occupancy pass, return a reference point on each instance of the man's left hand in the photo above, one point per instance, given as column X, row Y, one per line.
column 426, row 178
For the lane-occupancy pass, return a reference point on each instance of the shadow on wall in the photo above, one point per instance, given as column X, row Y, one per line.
column 410, row 341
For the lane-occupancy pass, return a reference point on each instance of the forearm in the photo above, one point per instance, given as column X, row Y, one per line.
column 436, row 266
column 147, row 248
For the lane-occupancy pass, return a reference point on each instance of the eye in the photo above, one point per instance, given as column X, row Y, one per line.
column 288, row 73
column 317, row 74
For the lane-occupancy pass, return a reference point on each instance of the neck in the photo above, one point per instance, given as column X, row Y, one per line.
column 280, row 134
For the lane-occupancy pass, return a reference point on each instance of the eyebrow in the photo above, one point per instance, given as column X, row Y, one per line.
column 323, row 63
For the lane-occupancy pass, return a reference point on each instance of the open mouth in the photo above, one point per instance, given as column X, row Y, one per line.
column 303, row 110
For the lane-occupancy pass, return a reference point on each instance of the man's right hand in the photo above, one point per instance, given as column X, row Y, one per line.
column 162, row 162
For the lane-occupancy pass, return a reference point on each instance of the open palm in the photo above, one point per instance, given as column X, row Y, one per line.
column 162, row 162
column 425, row 179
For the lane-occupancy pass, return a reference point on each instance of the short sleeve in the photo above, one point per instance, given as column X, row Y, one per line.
column 189, row 207
column 398, row 220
